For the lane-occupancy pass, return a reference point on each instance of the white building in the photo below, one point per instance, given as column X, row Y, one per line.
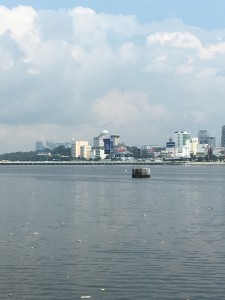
column 100, row 153
column 181, row 147
column 202, row 149
column 85, row 152
column 97, row 153
column 76, row 147
column 194, row 145
column 98, row 141
column 182, row 143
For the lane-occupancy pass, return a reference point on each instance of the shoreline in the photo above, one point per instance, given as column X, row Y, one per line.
column 104, row 162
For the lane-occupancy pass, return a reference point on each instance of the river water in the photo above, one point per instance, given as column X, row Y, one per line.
column 93, row 232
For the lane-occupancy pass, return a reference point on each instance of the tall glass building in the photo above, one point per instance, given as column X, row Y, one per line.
column 223, row 136
column 203, row 137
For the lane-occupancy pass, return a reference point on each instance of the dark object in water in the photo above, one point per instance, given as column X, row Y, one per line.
column 141, row 173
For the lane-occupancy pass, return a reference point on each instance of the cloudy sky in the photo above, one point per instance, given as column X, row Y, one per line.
column 139, row 68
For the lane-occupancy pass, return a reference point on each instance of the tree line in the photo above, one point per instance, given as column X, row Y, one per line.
column 59, row 153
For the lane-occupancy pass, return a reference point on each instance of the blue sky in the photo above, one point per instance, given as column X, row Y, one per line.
column 142, row 69
column 203, row 13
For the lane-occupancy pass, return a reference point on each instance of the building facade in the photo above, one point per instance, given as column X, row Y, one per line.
column 76, row 147
column 98, row 141
column 85, row 152
column 205, row 138
column 223, row 136
column 182, row 143
column 39, row 145
column 115, row 138
column 194, row 146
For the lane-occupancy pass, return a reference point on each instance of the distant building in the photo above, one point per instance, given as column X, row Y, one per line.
column 100, row 153
column 170, row 144
column 115, row 139
column 182, row 143
column 98, row 141
column 194, row 146
column 180, row 147
column 202, row 150
column 136, row 152
column 76, row 148
column 85, row 152
column 171, row 149
column 205, row 138
column 123, row 155
column 50, row 144
column 148, row 151
column 223, row 136
column 212, row 142
column 39, row 145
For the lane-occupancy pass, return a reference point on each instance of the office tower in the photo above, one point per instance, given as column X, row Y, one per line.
column 76, row 147
column 203, row 137
column 223, row 136
column 182, row 140
column 98, row 141
column 39, row 145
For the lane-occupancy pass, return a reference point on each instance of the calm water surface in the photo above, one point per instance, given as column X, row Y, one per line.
column 72, row 232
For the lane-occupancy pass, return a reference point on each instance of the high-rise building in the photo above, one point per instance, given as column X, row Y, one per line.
column 212, row 142
column 194, row 145
column 98, row 141
column 223, row 136
column 39, row 145
column 115, row 138
column 76, row 147
column 205, row 138
column 182, row 140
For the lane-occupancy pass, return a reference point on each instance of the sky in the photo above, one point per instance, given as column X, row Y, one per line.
column 138, row 68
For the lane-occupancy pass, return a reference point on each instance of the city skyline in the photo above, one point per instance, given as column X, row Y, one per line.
column 141, row 68
column 203, row 137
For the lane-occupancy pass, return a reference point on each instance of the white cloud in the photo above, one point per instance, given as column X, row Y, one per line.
column 199, row 116
column 212, row 51
column 175, row 39
column 121, row 108
column 186, row 68
column 20, row 22
column 125, row 110
column 67, row 73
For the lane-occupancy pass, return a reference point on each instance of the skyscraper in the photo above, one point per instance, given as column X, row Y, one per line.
column 203, row 137
column 223, row 136
column 181, row 139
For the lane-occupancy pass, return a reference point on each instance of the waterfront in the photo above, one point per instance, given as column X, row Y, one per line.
column 73, row 231
column 110, row 162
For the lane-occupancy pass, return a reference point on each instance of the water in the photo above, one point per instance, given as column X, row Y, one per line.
column 72, row 232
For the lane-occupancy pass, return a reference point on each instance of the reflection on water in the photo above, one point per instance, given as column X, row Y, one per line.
column 72, row 232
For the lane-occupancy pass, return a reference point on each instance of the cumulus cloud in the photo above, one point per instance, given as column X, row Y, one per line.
column 67, row 73
column 125, row 110
column 175, row 39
